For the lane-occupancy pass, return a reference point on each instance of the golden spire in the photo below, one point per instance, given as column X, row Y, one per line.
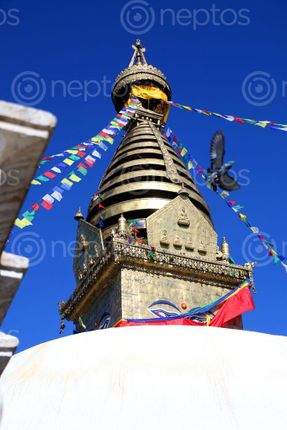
column 145, row 172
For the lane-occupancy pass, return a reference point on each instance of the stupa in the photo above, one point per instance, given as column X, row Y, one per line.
column 148, row 246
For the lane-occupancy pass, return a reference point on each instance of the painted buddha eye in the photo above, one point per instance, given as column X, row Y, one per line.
column 164, row 308
column 105, row 321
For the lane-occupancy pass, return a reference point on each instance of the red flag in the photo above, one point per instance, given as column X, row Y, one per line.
column 101, row 133
column 50, row 175
column 82, row 165
column 236, row 305
column 200, row 169
column 46, row 205
column 35, row 207
column 239, row 120
column 231, row 202
column 101, row 206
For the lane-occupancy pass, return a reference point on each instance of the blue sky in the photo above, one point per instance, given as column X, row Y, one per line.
column 224, row 56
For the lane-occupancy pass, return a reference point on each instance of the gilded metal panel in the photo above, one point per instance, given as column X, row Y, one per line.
column 139, row 187
column 131, row 147
column 139, row 151
column 141, row 162
column 131, row 205
column 128, row 177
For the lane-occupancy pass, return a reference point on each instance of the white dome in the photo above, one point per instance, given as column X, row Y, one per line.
column 143, row 378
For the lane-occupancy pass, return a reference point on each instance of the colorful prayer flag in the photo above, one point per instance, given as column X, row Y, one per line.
column 68, row 161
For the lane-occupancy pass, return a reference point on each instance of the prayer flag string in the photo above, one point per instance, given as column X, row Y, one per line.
column 232, row 118
column 192, row 164
column 107, row 135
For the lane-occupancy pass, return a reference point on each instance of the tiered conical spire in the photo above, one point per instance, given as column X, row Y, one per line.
column 136, row 182
column 146, row 172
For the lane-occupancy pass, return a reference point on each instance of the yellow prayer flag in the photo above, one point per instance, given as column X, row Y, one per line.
column 187, row 107
column 97, row 139
column 68, row 161
column 183, row 152
column 22, row 223
column 74, row 178
column 67, row 182
column 72, row 151
column 262, row 124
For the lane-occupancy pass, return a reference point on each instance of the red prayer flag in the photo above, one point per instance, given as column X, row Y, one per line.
column 231, row 202
column 82, row 165
column 101, row 133
column 239, row 120
column 236, row 305
column 46, row 205
column 50, row 175
column 200, row 169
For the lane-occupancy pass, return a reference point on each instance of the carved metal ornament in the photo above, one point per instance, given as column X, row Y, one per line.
column 171, row 170
column 136, row 257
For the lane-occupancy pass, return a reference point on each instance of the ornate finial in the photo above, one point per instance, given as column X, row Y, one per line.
column 225, row 249
column 137, row 71
column 122, row 225
column 138, row 55
column 78, row 215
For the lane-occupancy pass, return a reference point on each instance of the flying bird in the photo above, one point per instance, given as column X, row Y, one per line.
column 218, row 173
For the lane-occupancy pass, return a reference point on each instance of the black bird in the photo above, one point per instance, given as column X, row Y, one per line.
column 218, row 173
